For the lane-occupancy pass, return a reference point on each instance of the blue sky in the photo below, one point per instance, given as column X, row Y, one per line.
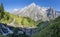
column 9, row 5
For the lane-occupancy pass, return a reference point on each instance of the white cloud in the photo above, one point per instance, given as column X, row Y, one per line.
column 15, row 9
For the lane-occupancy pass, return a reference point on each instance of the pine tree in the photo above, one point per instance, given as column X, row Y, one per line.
column 1, row 11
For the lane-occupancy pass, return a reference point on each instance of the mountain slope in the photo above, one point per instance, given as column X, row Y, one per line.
column 14, row 20
column 52, row 30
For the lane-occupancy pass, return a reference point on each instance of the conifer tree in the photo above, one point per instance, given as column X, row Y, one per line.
column 1, row 11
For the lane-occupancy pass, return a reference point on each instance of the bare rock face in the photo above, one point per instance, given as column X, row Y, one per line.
column 37, row 13
column 51, row 13
column 34, row 11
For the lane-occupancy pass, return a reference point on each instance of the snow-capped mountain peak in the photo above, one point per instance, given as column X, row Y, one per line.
column 36, row 12
column 33, row 4
column 33, row 11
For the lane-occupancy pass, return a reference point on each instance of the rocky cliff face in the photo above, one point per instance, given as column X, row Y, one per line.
column 51, row 13
column 33, row 11
column 37, row 13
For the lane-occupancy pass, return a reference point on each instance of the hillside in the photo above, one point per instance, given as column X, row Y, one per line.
column 17, row 20
column 52, row 30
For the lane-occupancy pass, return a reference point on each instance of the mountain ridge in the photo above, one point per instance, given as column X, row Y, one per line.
column 37, row 13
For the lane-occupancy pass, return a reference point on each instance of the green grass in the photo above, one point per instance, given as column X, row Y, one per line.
column 7, row 18
column 19, row 20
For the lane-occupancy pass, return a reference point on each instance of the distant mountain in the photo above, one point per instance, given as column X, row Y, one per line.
column 33, row 11
column 37, row 13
